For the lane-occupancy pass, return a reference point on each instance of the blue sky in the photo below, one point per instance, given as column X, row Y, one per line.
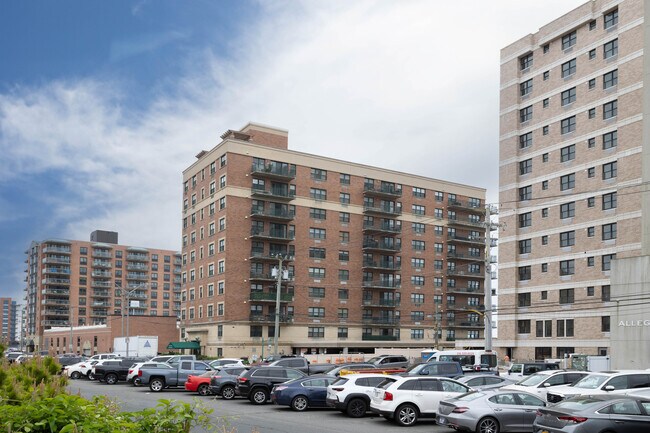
column 104, row 103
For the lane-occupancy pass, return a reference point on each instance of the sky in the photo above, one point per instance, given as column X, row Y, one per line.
column 103, row 104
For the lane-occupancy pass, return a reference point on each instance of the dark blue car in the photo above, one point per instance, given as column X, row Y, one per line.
column 302, row 393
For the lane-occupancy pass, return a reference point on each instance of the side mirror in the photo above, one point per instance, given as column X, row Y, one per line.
column 425, row 373
column 546, row 384
column 609, row 388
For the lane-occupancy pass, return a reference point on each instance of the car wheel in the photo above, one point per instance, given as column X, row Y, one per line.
column 259, row 396
column 406, row 415
column 157, row 385
column 91, row 376
column 75, row 375
column 203, row 389
column 487, row 425
column 357, row 408
column 299, row 403
column 111, row 379
column 228, row 392
column 137, row 381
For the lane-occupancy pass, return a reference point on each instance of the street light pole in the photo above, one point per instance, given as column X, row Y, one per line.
column 278, row 288
column 71, row 323
column 126, row 297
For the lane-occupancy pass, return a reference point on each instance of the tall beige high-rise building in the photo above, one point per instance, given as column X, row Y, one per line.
column 572, row 163
column 85, row 282
column 376, row 258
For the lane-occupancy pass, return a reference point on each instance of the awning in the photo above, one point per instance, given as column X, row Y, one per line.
column 184, row 345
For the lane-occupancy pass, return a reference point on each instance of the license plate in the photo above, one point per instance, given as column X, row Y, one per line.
column 441, row 420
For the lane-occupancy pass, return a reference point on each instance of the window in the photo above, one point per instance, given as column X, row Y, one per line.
column 316, row 312
column 605, row 293
column 592, row 54
column 609, row 231
column 591, row 113
column 318, row 174
column 523, row 326
column 344, row 179
column 610, row 49
column 344, row 198
column 418, row 209
column 545, row 212
column 344, row 275
column 418, row 245
column 545, row 75
column 317, row 214
column 546, row 47
column 567, row 296
column 591, row 231
column 610, row 140
column 418, row 227
column 605, row 324
column 419, row 192
column 545, row 157
column 318, row 194
column 568, row 239
column 526, row 87
column 591, row 262
column 526, row 140
column 316, row 253
column 342, row 333
column 569, row 40
column 568, row 125
column 344, row 294
column 317, row 272
column 568, row 68
column 591, row 201
column 316, row 331
column 316, row 233
column 592, row 84
column 526, row 61
column 417, row 334
column 592, row 25
column 610, row 109
column 417, row 298
column 417, row 280
column 565, row 328
column 316, row 292
column 526, row 166
column 591, row 172
column 543, row 328
column 568, row 96
column 525, row 219
column 567, row 267
column 545, row 102
column 568, row 210
column 611, row 19
column 526, row 114
column 523, row 299
column 607, row 261
column 544, row 267
column 544, row 185
column 525, row 246
column 417, row 263
column 344, row 217
column 344, row 256
column 567, row 181
column 439, row 196
column 609, row 201
column 568, row 153
column 609, row 170
column 524, row 273
column 610, row 79
column 545, row 130
column 525, row 193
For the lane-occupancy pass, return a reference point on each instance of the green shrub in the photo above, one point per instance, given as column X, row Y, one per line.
column 36, row 378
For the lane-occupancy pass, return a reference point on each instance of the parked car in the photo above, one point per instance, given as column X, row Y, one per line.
column 100, row 356
column 23, row 358
column 540, row 383
column 490, row 411
column 389, row 361
column 113, row 370
column 160, row 378
column 482, row 382
column 519, row 370
column 132, row 376
column 226, row 362
column 609, row 413
column 302, row 393
column 435, row 368
column 172, row 358
column 224, row 380
column 405, row 399
column 302, row 364
column 70, row 360
column 615, row 382
column 11, row 356
column 352, row 393
column 335, row 370
column 78, row 370
column 199, row 383
column 256, row 384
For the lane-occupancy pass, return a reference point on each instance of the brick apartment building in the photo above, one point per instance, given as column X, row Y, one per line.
column 573, row 161
column 377, row 258
column 9, row 325
column 87, row 281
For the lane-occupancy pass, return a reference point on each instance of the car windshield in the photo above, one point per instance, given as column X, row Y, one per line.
column 590, row 382
column 533, row 380
column 578, row 403
column 375, row 359
column 415, row 369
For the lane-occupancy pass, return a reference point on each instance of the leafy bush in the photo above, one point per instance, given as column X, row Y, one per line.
column 36, row 378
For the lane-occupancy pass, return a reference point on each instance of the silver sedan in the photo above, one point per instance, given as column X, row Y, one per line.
column 480, row 382
column 490, row 411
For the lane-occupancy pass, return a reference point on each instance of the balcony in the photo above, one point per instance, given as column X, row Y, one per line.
column 276, row 194
column 56, row 292
column 104, row 284
column 381, row 321
column 475, row 240
column 138, row 295
column 57, row 249
column 381, row 303
column 464, row 256
column 276, row 235
column 465, row 222
column 381, row 265
column 62, row 260
column 102, row 264
column 137, row 267
column 382, row 284
column 260, row 255
column 262, row 276
column 177, row 270
column 56, row 281
column 383, row 210
column 57, row 270
column 270, row 318
column 100, row 304
column 374, row 337
column 470, row 325
column 104, row 254
column 137, row 257
column 55, row 323
column 271, row 297
column 373, row 245
column 382, row 228
column 55, row 312
column 98, row 312
column 466, row 205
column 274, row 171
column 101, row 274
column 468, row 274
column 465, row 290
column 388, row 191
column 50, row 301
column 101, row 294
column 137, row 276
column 272, row 214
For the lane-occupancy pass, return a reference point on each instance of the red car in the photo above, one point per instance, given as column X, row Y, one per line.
column 200, row 384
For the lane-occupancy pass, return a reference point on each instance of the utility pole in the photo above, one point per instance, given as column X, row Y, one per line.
column 487, row 315
column 71, row 323
column 278, row 288
column 437, row 327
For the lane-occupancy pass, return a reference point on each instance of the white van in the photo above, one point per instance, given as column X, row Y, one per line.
column 103, row 356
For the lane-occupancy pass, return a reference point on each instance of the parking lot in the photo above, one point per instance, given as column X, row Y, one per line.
column 245, row 417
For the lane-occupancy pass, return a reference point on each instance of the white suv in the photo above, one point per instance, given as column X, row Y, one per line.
column 351, row 393
column 604, row 382
column 540, row 383
column 78, row 370
column 405, row 399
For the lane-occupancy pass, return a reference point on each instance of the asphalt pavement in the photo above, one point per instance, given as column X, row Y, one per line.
column 241, row 416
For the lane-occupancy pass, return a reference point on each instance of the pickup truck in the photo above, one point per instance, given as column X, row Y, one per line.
column 302, row 364
column 113, row 370
column 161, row 378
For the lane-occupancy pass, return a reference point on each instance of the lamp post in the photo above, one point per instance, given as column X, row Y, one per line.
column 126, row 297
column 278, row 287
column 71, row 324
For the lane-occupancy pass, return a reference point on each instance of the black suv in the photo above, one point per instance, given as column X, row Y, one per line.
column 256, row 384
column 113, row 370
